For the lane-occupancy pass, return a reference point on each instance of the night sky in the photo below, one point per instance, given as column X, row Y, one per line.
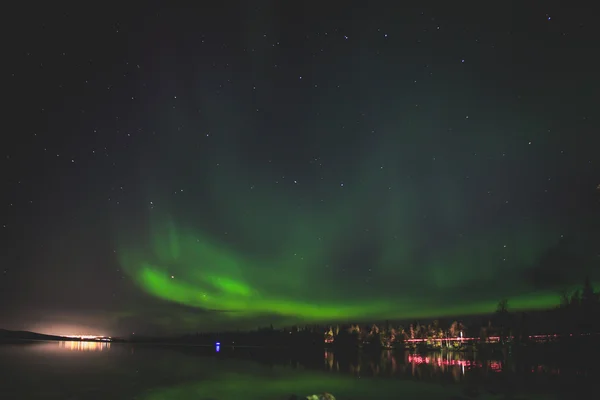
column 250, row 163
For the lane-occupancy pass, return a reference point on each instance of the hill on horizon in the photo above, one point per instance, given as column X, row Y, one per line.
column 26, row 335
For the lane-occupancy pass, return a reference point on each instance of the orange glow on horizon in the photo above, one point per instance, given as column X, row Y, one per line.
column 84, row 346
column 88, row 337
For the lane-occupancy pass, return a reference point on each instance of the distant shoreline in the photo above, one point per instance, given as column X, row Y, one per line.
column 6, row 335
column 23, row 340
column 155, row 344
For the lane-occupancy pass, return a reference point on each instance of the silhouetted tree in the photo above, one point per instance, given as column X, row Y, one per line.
column 502, row 307
column 484, row 332
column 521, row 330
column 347, row 338
column 587, row 321
column 588, row 297
column 453, row 330
column 565, row 299
column 502, row 320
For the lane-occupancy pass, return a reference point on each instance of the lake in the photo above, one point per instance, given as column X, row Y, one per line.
column 93, row 370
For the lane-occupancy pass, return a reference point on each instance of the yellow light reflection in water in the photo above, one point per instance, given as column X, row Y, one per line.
column 84, row 346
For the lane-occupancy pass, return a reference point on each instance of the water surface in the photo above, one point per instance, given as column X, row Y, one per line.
column 90, row 370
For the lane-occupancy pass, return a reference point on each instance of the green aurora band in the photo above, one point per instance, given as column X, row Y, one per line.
column 354, row 253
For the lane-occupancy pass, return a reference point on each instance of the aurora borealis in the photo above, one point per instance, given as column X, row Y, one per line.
column 307, row 251
column 183, row 173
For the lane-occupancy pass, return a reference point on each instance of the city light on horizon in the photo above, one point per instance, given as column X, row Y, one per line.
column 88, row 337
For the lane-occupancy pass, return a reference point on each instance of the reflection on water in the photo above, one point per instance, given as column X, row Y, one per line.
column 417, row 365
column 59, row 370
column 84, row 346
column 440, row 365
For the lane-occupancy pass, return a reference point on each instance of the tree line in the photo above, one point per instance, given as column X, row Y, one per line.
column 577, row 314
